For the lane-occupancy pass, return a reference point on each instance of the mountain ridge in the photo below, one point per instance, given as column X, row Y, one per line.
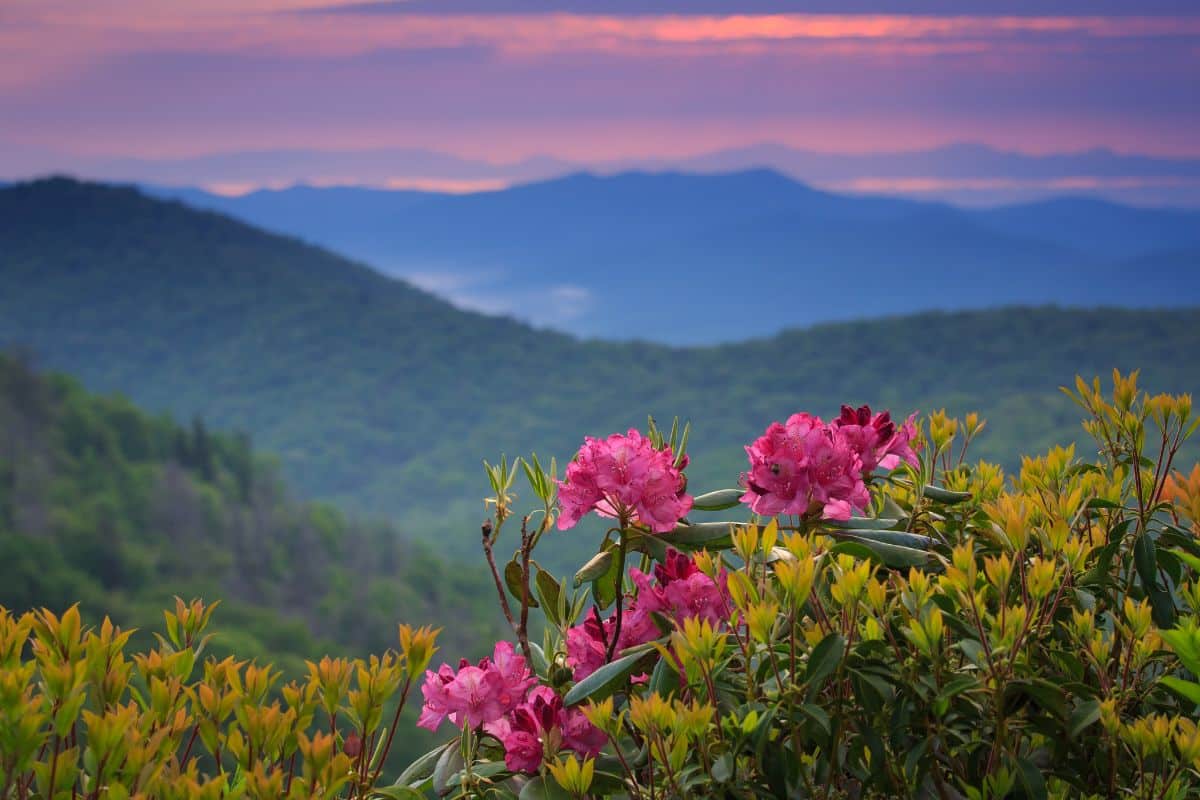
column 961, row 172
column 626, row 240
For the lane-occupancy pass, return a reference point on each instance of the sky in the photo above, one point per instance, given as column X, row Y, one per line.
column 122, row 85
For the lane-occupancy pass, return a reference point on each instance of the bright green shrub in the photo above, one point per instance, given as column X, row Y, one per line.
column 966, row 635
column 81, row 718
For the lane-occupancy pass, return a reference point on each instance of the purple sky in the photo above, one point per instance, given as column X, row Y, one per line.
column 589, row 81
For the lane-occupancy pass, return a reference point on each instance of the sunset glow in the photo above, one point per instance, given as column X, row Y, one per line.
column 90, row 83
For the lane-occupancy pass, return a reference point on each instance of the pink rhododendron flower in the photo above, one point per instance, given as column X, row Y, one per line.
column 876, row 439
column 522, row 751
column 802, row 465
column 541, row 725
column 515, row 676
column 586, row 648
column 624, row 476
column 682, row 592
column 678, row 590
column 836, row 475
column 436, row 706
column 580, row 735
column 779, row 479
column 807, row 465
column 476, row 694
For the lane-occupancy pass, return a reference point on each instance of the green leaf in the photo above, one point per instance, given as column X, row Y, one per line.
column 664, row 680
column 604, row 587
column 1046, row 695
column 700, row 534
column 894, row 555
column 596, row 566
column 1188, row 558
column 913, row 541
column 1032, row 780
column 974, row 651
column 722, row 768
column 512, row 578
column 448, row 764
column 540, row 788
column 824, row 658
column 1188, row 690
column 1084, row 715
column 604, row 681
column 1162, row 607
column 719, row 500
column 855, row 548
column 1186, row 647
column 1145, row 559
column 862, row 523
column 420, row 770
column 818, row 716
column 397, row 793
column 540, row 664
column 1097, row 502
column 652, row 545
column 944, row 496
column 959, row 685
column 547, row 592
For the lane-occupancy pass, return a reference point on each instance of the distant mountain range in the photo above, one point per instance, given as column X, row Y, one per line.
column 964, row 173
column 702, row 259
column 384, row 398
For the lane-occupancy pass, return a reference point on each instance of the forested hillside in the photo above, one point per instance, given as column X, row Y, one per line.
column 104, row 505
column 385, row 399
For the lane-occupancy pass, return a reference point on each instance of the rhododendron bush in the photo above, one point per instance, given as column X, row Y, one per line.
column 863, row 612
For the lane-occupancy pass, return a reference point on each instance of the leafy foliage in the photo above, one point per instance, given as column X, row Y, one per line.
column 81, row 717
column 381, row 397
column 988, row 638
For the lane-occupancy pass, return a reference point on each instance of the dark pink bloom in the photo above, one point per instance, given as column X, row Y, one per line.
column 682, row 592
column 522, row 751
column 806, row 465
column 697, row 596
column 677, row 591
column 876, row 439
column 837, row 476
column 473, row 697
column 436, row 698
column 586, row 645
column 624, row 476
column 580, row 735
column 515, row 677
column 476, row 694
column 899, row 448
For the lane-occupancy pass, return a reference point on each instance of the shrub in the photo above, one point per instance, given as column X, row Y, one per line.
column 81, row 719
column 893, row 621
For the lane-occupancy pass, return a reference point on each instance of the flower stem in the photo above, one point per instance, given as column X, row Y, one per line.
column 620, row 585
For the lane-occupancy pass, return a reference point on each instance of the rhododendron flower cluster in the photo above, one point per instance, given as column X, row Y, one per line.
column 476, row 695
column 624, row 477
column 806, row 464
column 540, row 726
column 678, row 592
column 501, row 695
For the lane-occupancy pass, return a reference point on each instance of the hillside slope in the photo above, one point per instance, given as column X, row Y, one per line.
column 384, row 398
column 104, row 505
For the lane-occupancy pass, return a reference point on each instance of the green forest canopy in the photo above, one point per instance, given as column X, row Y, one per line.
column 104, row 505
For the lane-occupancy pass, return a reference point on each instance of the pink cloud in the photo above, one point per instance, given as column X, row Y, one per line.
column 172, row 78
